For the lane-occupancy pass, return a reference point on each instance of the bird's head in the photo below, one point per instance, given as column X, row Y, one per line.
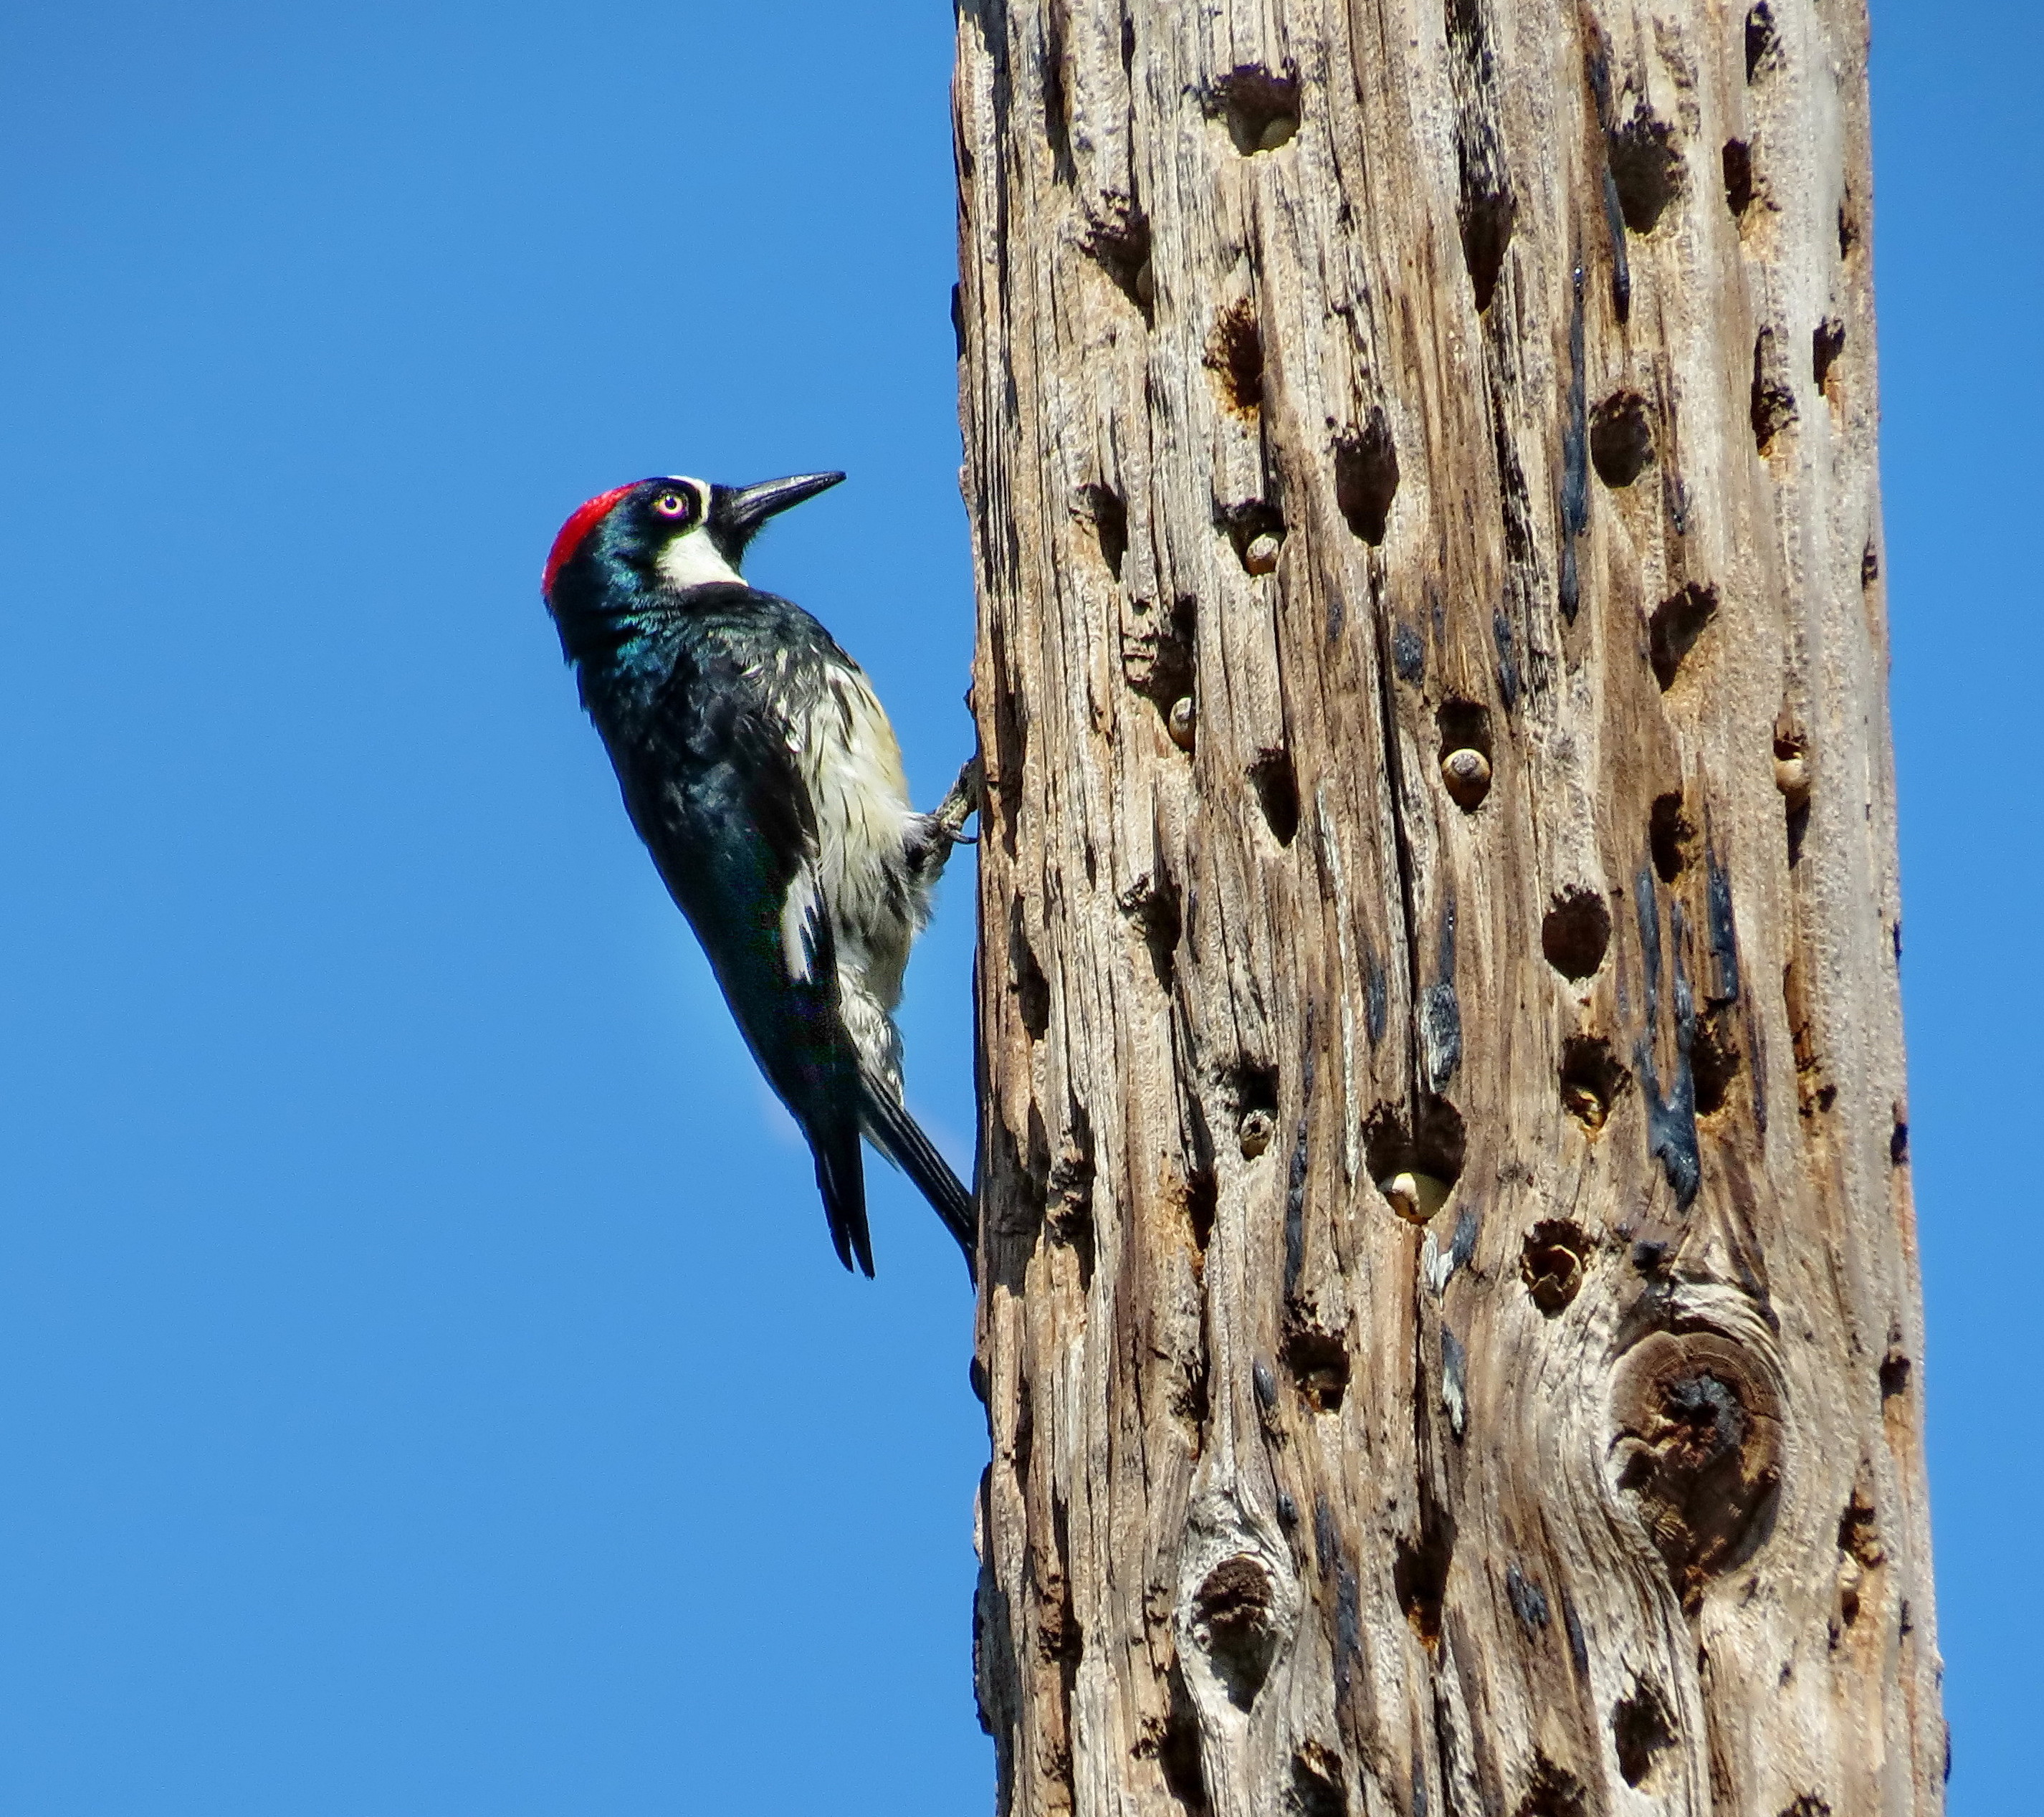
column 628, row 546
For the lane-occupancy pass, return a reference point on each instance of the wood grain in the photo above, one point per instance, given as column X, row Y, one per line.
column 1449, row 1317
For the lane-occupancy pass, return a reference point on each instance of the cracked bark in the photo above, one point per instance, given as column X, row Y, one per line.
column 1449, row 1301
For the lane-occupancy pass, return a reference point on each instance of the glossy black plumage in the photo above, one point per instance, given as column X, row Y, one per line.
column 696, row 691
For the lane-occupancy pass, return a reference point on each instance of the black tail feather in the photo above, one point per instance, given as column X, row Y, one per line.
column 841, row 1179
column 899, row 1137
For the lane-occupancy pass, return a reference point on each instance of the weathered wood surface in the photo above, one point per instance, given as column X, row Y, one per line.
column 1348, row 390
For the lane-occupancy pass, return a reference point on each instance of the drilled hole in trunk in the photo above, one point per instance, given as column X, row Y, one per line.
column 1553, row 1792
column 1157, row 661
column 1714, row 1060
column 1551, row 1263
column 1151, row 903
column 1255, row 529
column 1669, row 836
column 1419, row 1575
column 1646, row 169
column 1621, row 443
column 1592, row 1080
column 1175, row 1744
column 1103, row 508
column 1234, row 1624
column 1431, row 1148
column 1316, row 1790
column 1640, row 1731
column 1366, row 477
column 1827, row 341
column 1772, row 406
column 1120, row 246
column 1576, row 933
column 1466, row 757
column 1277, row 785
column 1762, row 53
column 1319, row 1364
column 1032, row 990
column 1738, row 160
column 1672, row 632
column 1259, row 106
column 1250, row 1085
column 1894, row 1375
column 1487, row 216
column 1202, row 1202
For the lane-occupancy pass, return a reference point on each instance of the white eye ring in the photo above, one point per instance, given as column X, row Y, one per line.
column 673, row 503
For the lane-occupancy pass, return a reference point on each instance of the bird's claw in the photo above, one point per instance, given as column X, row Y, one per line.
column 962, row 803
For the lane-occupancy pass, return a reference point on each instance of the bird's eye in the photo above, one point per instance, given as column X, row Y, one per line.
column 673, row 503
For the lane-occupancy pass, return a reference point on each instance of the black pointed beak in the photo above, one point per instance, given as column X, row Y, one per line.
column 738, row 511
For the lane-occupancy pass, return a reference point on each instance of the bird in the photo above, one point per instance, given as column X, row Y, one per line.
column 760, row 768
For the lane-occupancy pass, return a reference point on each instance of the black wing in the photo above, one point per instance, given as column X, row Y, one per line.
column 717, row 796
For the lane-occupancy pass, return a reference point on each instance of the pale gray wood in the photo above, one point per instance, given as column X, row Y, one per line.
column 1595, row 1484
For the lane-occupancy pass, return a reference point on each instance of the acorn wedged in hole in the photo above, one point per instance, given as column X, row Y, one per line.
column 1261, row 556
column 1254, row 1133
column 1585, row 1105
column 1415, row 1196
column 1465, row 773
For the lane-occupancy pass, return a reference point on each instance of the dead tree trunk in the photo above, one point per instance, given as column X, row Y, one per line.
column 1449, row 1306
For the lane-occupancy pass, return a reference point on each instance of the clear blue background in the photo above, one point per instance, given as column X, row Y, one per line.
column 425, row 1386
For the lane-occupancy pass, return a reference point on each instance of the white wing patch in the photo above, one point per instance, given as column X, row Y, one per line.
column 801, row 917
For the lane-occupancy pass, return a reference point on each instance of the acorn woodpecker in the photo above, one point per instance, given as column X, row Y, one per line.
column 758, row 768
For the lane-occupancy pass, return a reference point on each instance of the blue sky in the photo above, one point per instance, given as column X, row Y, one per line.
column 425, row 1385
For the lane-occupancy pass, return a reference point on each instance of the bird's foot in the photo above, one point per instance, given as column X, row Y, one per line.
column 962, row 803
